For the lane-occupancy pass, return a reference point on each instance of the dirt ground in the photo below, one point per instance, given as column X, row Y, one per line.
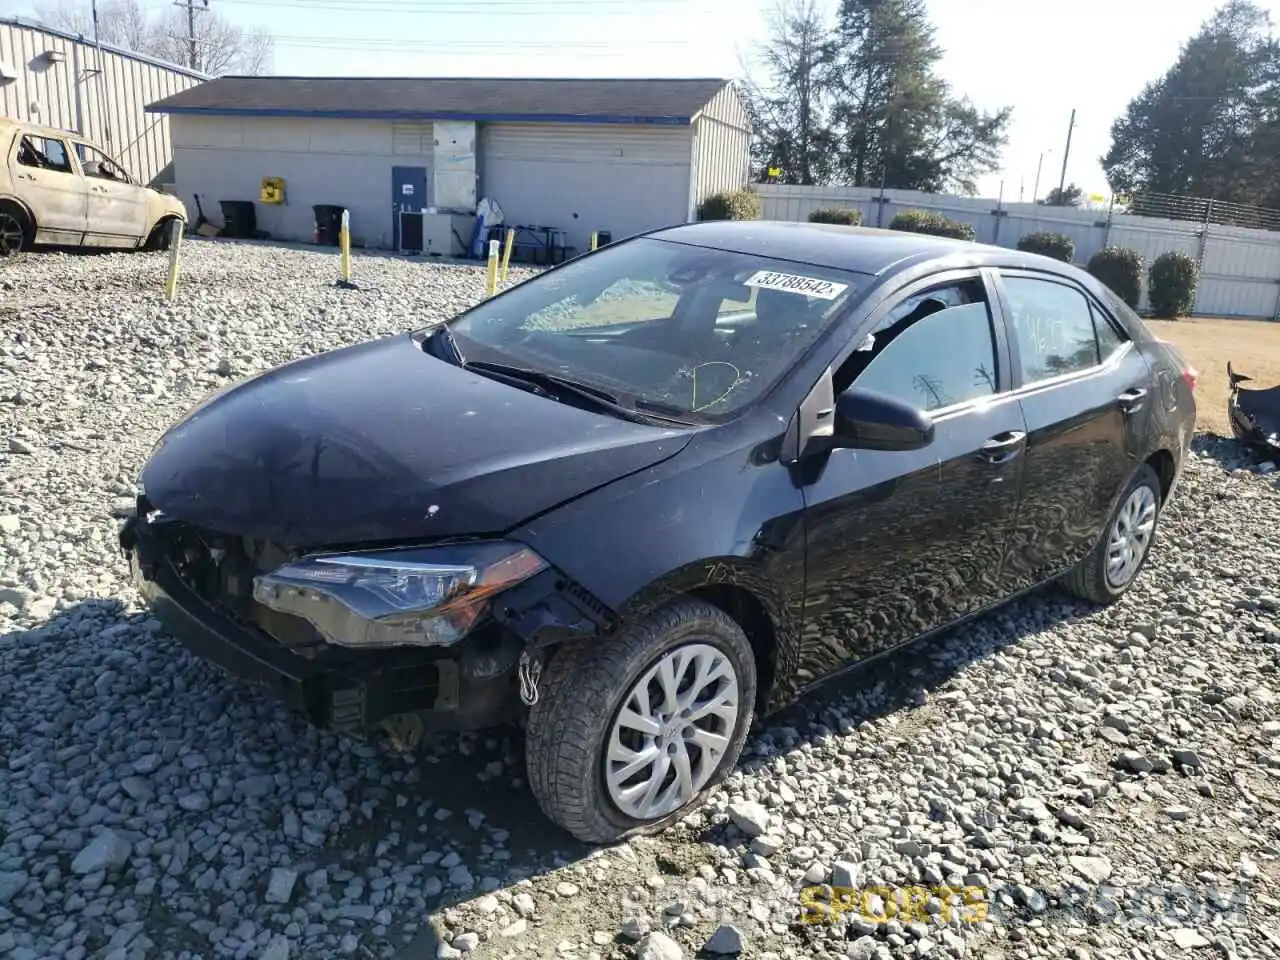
column 1253, row 347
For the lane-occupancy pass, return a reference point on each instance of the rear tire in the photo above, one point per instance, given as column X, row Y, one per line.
column 694, row 740
column 16, row 231
column 1106, row 574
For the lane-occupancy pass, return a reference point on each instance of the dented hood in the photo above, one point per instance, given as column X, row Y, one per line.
column 382, row 441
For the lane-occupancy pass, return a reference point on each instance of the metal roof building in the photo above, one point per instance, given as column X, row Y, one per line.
column 410, row 158
column 63, row 80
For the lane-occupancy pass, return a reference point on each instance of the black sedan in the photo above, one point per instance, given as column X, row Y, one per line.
column 661, row 489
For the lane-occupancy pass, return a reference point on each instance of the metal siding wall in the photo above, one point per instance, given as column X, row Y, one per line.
column 112, row 102
column 624, row 179
column 724, row 144
column 346, row 162
column 723, row 157
column 1239, row 273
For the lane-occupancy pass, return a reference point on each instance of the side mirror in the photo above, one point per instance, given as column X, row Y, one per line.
column 91, row 168
column 868, row 420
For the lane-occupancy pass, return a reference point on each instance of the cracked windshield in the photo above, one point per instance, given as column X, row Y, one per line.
column 692, row 330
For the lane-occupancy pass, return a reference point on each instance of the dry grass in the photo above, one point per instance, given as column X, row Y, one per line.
column 1253, row 346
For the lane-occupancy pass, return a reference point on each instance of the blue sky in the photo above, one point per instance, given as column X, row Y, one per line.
column 1042, row 57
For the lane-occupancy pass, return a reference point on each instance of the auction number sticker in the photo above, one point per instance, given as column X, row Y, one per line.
column 795, row 283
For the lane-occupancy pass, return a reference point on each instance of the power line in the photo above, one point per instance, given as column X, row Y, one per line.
column 445, row 46
column 549, row 8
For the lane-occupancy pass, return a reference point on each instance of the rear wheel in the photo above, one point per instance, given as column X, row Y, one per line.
column 1111, row 567
column 15, row 231
column 632, row 733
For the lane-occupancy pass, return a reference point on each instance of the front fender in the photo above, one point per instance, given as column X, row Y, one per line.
column 715, row 515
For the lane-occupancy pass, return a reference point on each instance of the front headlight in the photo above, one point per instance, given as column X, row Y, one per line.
column 429, row 596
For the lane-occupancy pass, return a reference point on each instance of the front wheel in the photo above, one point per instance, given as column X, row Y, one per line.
column 161, row 236
column 633, row 732
column 1111, row 567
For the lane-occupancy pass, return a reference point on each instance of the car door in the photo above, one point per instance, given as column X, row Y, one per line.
column 900, row 543
column 117, row 207
column 47, row 182
column 1084, row 391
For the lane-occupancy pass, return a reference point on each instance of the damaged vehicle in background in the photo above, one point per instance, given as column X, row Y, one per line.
column 659, row 490
column 58, row 188
column 1254, row 414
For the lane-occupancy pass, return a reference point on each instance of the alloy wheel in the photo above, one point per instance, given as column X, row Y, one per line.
column 1131, row 535
column 671, row 732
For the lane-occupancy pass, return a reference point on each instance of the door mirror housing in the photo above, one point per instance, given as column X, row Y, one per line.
column 868, row 420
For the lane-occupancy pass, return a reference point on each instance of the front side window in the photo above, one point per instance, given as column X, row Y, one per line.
column 695, row 330
column 97, row 164
column 935, row 349
column 1053, row 324
column 44, row 153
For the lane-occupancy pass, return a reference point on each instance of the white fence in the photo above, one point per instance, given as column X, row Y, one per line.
column 1239, row 267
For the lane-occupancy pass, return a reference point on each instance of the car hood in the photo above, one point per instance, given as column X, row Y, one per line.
column 383, row 442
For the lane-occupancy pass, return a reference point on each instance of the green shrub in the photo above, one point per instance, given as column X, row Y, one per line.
column 932, row 223
column 848, row 218
column 1048, row 244
column 1171, row 285
column 1120, row 269
column 731, row 205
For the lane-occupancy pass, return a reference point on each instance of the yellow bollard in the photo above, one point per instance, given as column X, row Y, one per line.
column 491, row 272
column 595, row 239
column 175, row 246
column 344, row 246
column 506, row 253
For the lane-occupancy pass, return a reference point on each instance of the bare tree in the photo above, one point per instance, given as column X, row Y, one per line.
column 789, row 109
column 221, row 47
column 121, row 23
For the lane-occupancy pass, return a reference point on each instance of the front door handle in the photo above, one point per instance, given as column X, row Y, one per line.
column 1003, row 447
column 1131, row 400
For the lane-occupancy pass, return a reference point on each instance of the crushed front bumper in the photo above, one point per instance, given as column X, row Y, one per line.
column 471, row 685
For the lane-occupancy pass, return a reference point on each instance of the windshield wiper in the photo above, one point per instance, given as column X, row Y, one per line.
column 585, row 391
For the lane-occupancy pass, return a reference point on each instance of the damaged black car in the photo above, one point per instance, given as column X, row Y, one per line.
column 662, row 489
column 1254, row 414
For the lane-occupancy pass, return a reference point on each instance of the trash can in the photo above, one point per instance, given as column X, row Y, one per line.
column 328, row 223
column 239, row 219
column 603, row 238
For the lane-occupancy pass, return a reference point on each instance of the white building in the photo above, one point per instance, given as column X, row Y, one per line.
column 60, row 79
column 574, row 156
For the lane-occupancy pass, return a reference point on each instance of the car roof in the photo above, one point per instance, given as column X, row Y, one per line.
column 9, row 123
column 866, row 250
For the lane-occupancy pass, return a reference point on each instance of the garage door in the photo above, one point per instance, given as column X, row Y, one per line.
column 623, row 179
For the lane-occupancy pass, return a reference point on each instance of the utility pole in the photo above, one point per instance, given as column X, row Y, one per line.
column 1062, row 181
column 191, row 7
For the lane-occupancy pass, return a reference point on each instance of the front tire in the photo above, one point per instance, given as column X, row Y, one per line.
column 160, row 238
column 632, row 733
column 1106, row 574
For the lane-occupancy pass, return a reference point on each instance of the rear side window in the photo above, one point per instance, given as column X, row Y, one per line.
column 938, row 350
column 1053, row 324
column 44, row 153
column 1109, row 339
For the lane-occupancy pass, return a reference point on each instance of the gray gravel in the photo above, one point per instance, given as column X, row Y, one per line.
column 1111, row 779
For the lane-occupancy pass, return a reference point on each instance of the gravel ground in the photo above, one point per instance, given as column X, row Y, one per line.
column 1108, row 781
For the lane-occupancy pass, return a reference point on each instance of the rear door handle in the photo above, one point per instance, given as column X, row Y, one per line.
column 1003, row 447
column 1131, row 400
